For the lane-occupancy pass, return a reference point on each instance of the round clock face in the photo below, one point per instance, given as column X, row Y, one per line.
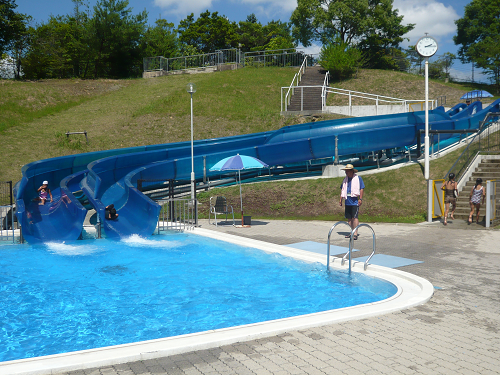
column 426, row 46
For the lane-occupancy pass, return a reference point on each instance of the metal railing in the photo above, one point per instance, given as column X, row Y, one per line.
column 485, row 141
column 7, row 223
column 280, row 58
column 177, row 214
column 378, row 99
column 324, row 89
column 295, row 83
column 226, row 56
column 351, row 244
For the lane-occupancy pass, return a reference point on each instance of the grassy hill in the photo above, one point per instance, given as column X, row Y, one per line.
column 124, row 113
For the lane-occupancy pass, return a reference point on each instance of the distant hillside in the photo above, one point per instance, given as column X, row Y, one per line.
column 123, row 113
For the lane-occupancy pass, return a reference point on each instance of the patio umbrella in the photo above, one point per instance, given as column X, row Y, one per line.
column 237, row 163
column 474, row 94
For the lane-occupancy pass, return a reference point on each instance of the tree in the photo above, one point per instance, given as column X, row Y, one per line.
column 12, row 25
column 372, row 25
column 278, row 35
column 116, row 35
column 477, row 35
column 210, row 32
column 160, row 40
column 251, row 34
column 47, row 56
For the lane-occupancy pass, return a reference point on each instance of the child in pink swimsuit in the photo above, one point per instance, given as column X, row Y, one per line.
column 44, row 192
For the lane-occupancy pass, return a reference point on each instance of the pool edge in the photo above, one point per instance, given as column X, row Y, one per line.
column 412, row 291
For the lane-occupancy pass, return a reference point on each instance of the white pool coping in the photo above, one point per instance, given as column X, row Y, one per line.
column 412, row 291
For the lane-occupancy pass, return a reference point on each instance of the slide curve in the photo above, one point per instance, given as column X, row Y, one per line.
column 104, row 177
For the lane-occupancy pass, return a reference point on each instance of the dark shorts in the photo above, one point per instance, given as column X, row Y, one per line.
column 451, row 200
column 351, row 212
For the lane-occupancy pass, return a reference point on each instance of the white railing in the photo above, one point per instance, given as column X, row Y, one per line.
column 7, row 223
column 177, row 214
column 378, row 99
column 324, row 91
column 295, row 83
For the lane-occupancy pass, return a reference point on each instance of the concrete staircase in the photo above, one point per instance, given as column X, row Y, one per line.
column 314, row 76
column 487, row 169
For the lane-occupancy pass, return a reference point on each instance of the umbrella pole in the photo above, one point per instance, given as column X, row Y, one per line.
column 241, row 198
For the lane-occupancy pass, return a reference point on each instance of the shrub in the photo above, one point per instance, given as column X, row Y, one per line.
column 340, row 59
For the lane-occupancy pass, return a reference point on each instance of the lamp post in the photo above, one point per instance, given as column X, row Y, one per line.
column 191, row 89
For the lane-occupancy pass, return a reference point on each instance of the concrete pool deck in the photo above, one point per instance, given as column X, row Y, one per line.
column 456, row 332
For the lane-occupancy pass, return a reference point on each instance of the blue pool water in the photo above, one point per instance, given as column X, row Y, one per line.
column 57, row 298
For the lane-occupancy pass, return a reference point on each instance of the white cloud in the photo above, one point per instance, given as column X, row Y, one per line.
column 432, row 17
column 184, row 7
column 269, row 8
column 273, row 5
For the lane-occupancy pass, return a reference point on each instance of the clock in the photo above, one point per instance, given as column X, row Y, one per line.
column 426, row 46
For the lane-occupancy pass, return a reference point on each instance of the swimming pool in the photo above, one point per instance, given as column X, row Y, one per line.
column 113, row 269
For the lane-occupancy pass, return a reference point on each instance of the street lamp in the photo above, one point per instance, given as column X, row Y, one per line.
column 191, row 89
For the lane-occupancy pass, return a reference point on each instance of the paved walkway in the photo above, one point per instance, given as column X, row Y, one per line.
column 456, row 332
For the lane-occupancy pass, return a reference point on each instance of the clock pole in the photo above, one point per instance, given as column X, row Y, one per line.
column 426, row 141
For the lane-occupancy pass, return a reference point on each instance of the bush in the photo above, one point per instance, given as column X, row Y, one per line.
column 340, row 59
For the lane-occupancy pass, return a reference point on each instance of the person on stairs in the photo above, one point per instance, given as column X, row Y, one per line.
column 475, row 195
column 450, row 188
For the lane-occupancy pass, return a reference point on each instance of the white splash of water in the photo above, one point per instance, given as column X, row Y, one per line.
column 137, row 241
column 71, row 250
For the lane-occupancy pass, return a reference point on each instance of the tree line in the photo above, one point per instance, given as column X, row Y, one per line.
column 110, row 41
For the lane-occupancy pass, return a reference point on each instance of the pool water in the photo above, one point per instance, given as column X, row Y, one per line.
column 57, row 298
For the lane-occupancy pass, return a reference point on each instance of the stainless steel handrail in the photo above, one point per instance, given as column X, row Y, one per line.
column 352, row 242
column 328, row 245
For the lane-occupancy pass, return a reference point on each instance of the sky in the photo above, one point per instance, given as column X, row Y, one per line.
column 437, row 18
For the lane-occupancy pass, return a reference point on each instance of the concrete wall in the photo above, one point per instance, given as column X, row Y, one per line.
column 365, row 110
column 208, row 69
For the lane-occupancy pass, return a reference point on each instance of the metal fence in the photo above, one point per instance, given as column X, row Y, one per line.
column 226, row 56
column 280, row 58
column 485, row 141
column 177, row 214
column 8, row 223
column 7, row 212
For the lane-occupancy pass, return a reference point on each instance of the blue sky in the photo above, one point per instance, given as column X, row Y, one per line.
column 430, row 16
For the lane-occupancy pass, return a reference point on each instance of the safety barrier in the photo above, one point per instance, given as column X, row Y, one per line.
column 7, row 223
column 295, row 83
column 435, row 199
column 492, row 205
column 485, row 141
column 177, row 214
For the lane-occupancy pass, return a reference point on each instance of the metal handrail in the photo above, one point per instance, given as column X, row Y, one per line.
column 298, row 77
column 352, row 241
column 328, row 245
column 326, row 82
column 177, row 214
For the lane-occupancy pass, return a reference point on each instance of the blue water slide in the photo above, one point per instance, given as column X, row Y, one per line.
column 313, row 142
column 110, row 176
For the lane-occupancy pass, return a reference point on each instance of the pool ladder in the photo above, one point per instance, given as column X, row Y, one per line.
column 351, row 243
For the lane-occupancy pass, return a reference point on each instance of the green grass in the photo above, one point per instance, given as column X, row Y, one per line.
column 124, row 113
